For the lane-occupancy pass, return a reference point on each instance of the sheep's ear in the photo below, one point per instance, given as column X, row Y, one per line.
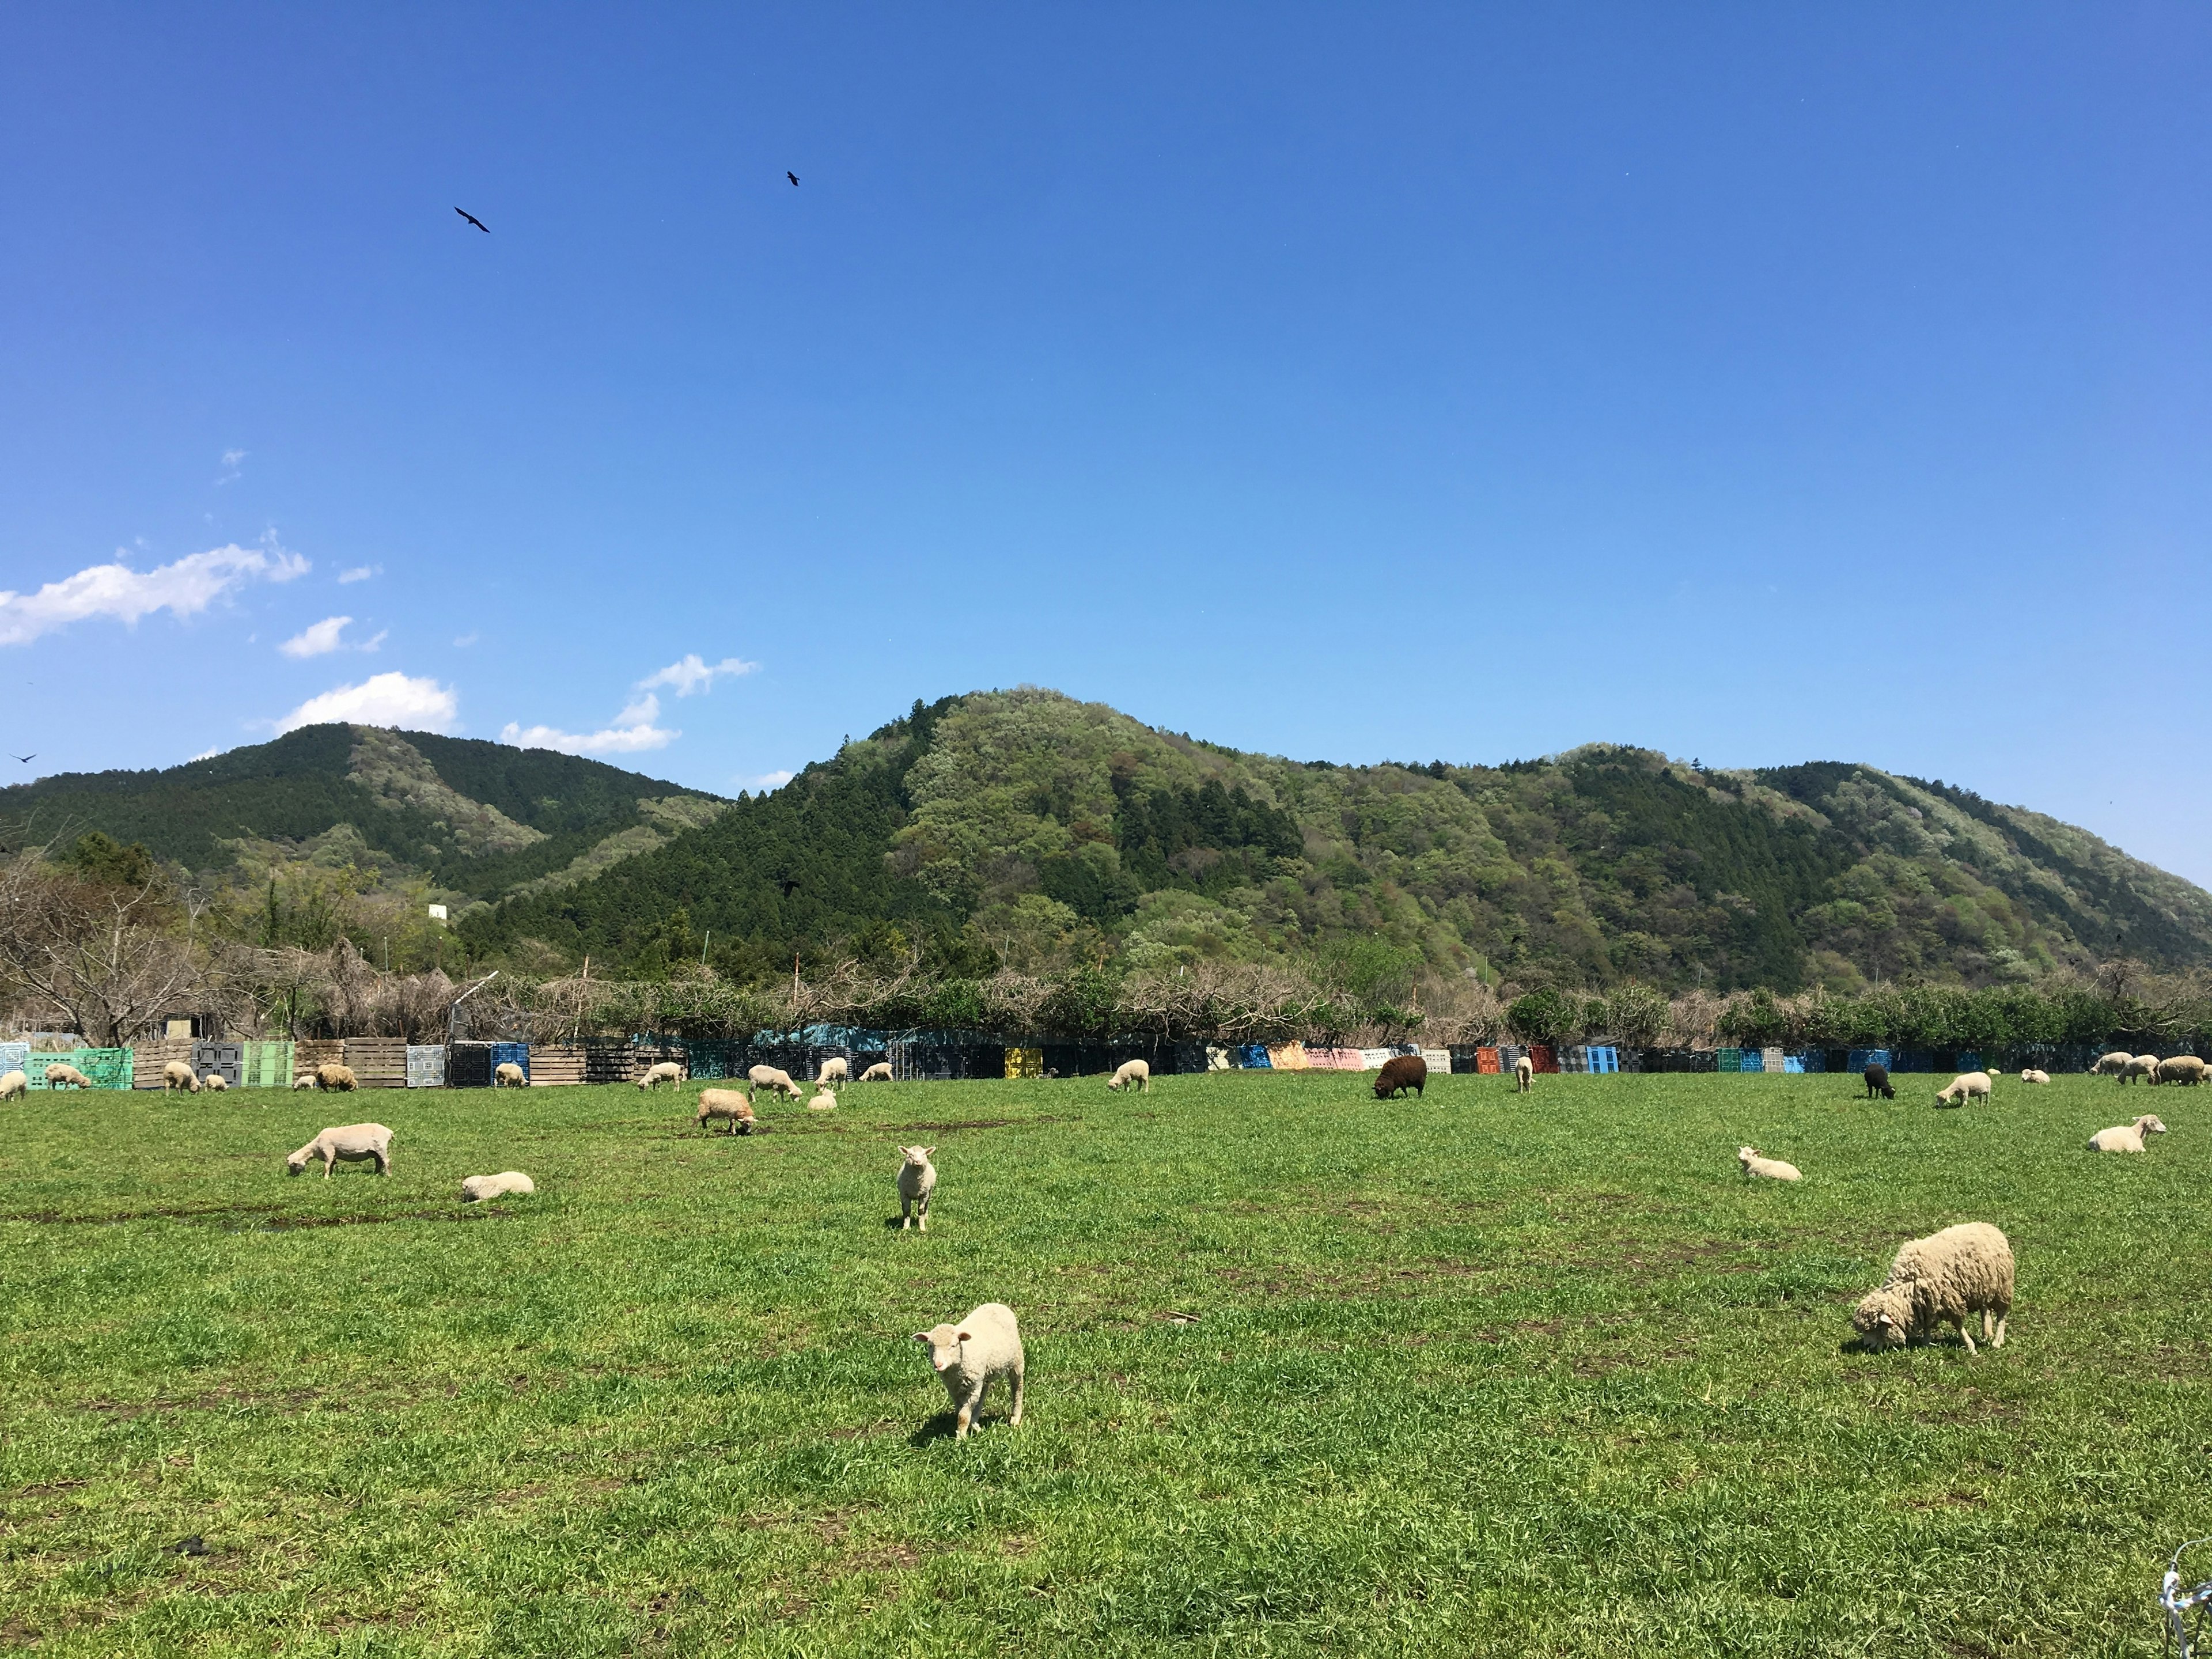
column 964, row 1336
column 922, row 1337
column 926, row 1150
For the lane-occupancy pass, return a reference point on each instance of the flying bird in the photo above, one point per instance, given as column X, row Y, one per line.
column 793, row 177
column 26, row 759
column 473, row 220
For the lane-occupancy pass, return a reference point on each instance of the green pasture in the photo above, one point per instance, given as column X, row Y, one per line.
column 1473, row 1373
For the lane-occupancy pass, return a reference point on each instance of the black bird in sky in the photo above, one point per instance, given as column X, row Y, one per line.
column 26, row 759
column 473, row 220
column 793, row 177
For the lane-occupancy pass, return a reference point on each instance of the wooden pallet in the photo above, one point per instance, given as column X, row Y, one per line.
column 554, row 1064
column 147, row 1059
column 378, row 1062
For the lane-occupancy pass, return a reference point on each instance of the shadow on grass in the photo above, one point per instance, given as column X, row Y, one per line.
column 946, row 1425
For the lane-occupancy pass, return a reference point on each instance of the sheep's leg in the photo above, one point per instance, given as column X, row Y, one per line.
column 923, row 1225
column 1965, row 1335
column 384, row 1163
column 906, row 1213
column 1017, row 1395
column 968, row 1407
column 1997, row 1341
column 329, row 1162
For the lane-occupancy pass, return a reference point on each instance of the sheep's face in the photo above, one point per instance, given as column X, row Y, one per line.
column 295, row 1163
column 1745, row 1154
column 2149, row 1126
column 943, row 1342
column 1883, row 1319
column 917, row 1158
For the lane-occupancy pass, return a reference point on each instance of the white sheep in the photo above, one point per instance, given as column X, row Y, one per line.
column 65, row 1076
column 878, row 1072
column 176, row 1075
column 2142, row 1066
column 917, row 1180
column 2127, row 1137
column 1769, row 1169
column 769, row 1077
column 667, row 1070
column 836, row 1069
column 1967, row 1086
column 823, row 1102
column 508, row 1075
column 1131, row 1071
column 2111, row 1065
column 14, row 1085
column 969, row 1356
column 1524, row 1075
column 732, row 1105
column 305, row 1080
column 476, row 1188
column 1961, row 1270
column 2034, row 1076
column 214, row 1083
column 354, row 1143
column 2181, row 1068
column 338, row 1078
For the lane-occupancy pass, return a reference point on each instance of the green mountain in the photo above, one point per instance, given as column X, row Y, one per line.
column 475, row 819
column 1025, row 828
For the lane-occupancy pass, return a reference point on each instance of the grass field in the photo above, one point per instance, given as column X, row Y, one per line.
column 1470, row 1375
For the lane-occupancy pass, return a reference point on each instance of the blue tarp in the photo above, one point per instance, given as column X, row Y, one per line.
column 1253, row 1056
column 511, row 1053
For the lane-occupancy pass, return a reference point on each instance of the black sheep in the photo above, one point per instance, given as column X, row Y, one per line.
column 1877, row 1082
column 1402, row 1072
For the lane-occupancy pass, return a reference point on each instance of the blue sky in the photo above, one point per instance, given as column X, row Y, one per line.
column 1757, row 384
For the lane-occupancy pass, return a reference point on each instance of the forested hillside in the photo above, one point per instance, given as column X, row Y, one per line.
column 1024, row 829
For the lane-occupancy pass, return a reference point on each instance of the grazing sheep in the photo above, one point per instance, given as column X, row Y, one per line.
column 768, row 1077
column 823, row 1102
column 667, row 1070
column 1131, row 1071
column 340, row 1078
column 508, row 1075
column 1767, row 1168
column 2033, row 1076
column 1878, row 1082
column 353, row 1143
column 1524, row 1075
column 176, row 1075
column 2181, row 1068
column 15, row 1086
column 1402, row 1072
column 836, row 1069
column 2144, row 1066
column 878, row 1072
column 2128, row 1137
column 476, row 1188
column 1962, row 1270
column 65, row 1076
column 214, row 1083
column 917, row 1180
column 306, row 1080
column 969, row 1356
column 1967, row 1086
column 2111, row 1065
column 731, row 1104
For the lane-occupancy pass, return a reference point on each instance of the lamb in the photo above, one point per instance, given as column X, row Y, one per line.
column 1967, row 1086
column 2033, row 1076
column 2111, row 1065
column 2182, row 1068
column 1769, row 1169
column 878, row 1072
column 1131, row 1071
column 476, row 1188
column 1524, row 1075
column 836, row 1069
column 768, row 1077
column 2141, row 1065
column 666, row 1072
column 65, row 1076
column 1878, row 1082
column 917, row 1180
column 822, row 1102
column 1402, row 1072
column 15, row 1086
column 2128, row 1137
column 508, row 1075
column 176, row 1075
column 340, row 1078
column 305, row 1080
column 353, row 1142
column 214, row 1083
column 971, row 1355
column 731, row 1104
column 1961, row 1270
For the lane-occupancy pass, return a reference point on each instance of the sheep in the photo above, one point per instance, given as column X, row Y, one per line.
column 1959, row 1271
column 15, row 1086
column 508, row 1075
column 667, row 1070
column 2141, row 1065
column 2033, row 1076
column 917, row 1180
column 2111, row 1065
column 476, row 1188
column 1771, row 1169
column 340, row 1078
column 1967, row 1086
column 65, row 1076
column 305, row 1080
column 2128, row 1137
column 822, row 1102
column 1131, row 1071
column 353, row 1142
column 1524, row 1075
column 1878, row 1082
column 878, row 1072
column 731, row 1104
column 971, row 1355
column 2182, row 1068
column 176, row 1075
column 836, row 1069
column 214, row 1083
column 1402, row 1072
column 768, row 1077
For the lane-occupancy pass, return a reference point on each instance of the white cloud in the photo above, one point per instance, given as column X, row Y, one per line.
column 360, row 572
column 184, row 588
column 693, row 674
column 375, row 639
column 318, row 641
column 469, row 638
column 614, row 740
column 392, row 699
column 231, row 457
column 207, row 754
column 765, row 782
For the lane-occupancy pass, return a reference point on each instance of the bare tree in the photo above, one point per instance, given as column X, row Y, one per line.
column 104, row 958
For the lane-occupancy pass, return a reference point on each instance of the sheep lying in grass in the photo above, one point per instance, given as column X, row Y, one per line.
column 2181, row 1068
column 836, row 1069
column 917, row 1180
column 667, row 1070
column 731, row 1105
column 351, row 1143
column 1967, row 1086
column 2142, row 1066
column 768, row 1077
column 476, row 1188
column 1131, row 1071
column 878, row 1072
column 1962, row 1270
column 2111, row 1065
column 65, row 1076
column 340, row 1078
column 214, row 1083
column 1766, row 1168
column 970, row 1356
column 507, row 1075
column 2033, row 1076
column 2127, row 1137
column 176, row 1075
column 823, row 1102
column 14, row 1085
column 1524, row 1075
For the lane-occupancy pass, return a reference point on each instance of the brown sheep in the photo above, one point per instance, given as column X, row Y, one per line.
column 2181, row 1068
column 340, row 1078
column 1399, row 1072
